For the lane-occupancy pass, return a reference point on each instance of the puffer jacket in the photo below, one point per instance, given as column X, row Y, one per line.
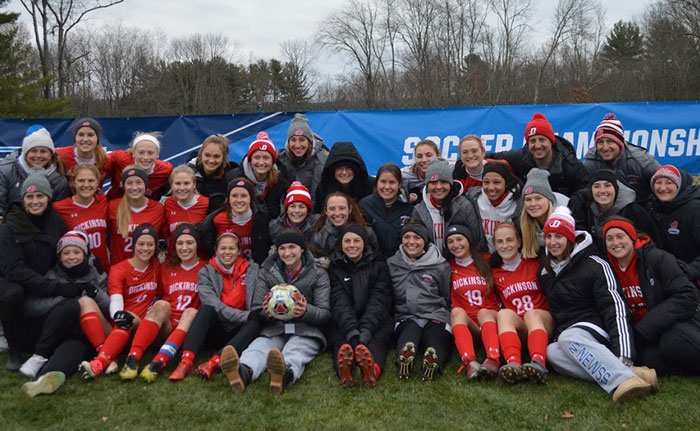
column 307, row 171
column 421, row 286
column 274, row 197
column 360, row 296
column 585, row 294
column 361, row 185
column 386, row 224
column 306, row 228
column 29, row 251
column 634, row 167
column 210, row 286
column 323, row 242
column 312, row 282
column 12, row 175
column 211, row 187
column 566, row 173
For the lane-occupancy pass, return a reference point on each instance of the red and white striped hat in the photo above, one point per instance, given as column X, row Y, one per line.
column 263, row 142
column 561, row 222
column 76, row 238
column 611, row 128
column 297, row 193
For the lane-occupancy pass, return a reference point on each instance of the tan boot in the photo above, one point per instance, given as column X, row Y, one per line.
column 648, row 375
column 631, row 389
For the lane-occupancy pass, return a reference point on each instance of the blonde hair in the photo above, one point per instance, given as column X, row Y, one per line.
column 138, row 134
column 183, row 169
column 528, row 226
column 220, row 141
column 75, row 170
column 124, row 211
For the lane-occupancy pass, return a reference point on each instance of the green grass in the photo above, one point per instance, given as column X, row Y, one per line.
column 318, row 402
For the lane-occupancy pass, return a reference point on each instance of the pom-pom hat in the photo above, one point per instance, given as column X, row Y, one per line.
column 539, row 126
column 75, row 238
column 297, row 193
column 262, row 142
column 561, row 222
column 611, row 128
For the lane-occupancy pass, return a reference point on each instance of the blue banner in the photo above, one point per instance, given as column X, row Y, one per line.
column 670, row 130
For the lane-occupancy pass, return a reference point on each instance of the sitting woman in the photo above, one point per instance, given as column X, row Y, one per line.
column 592, row 339
column 469, row 169
column 421, row 283
column 663, row 303
column 474, row 304
column 297, row 212
column 360, row 303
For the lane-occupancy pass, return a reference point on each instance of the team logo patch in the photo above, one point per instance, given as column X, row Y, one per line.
column 186, row 230
column 404, row 219
column 528, row 190
column 263, row 147
column 131, row 172
column 31, row 189
column 299, row 132
column 146, row 230
column 532, row 132
column 86, row 123
column 240, row 183
column 555, row 224
column 434, row 177
column 673, row 229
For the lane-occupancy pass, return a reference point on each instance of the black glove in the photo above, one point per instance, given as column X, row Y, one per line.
column 123, row 319
column 89, row 289
column 68, row 290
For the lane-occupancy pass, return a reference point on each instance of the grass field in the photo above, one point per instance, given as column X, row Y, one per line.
column 318, row 402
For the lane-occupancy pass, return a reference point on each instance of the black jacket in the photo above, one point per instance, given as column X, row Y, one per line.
column 566, row 174
column 211, row 187
column 361, row 185
column 360, row 297
column 586, row 294
column 679, row 225
column 387, row 225
column 29, row 250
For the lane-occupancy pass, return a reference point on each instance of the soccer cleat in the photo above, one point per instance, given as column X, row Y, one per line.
column 183, row 369
column 535, row 371
column 511, row 373
column 206, row 369
column 472, row 367
column 276, row 368
column 46, row 384
column 631, row 389
column 405, row 360
column 130, row 369
column 364, row 359
column 229, row 366
column 31, row 366
column 345, row 360
column 90, row 370
column 648, row 375
column 150, row 373
column 430, row 364
column 489, row 368
column 112, row 368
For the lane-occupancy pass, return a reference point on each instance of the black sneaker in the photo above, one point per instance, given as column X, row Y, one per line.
column 405, row 360
column 430, row 364
column 535, row 371
column 511, row 373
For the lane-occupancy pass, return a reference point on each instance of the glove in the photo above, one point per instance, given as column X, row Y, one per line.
column 88, row 289
column 68, row 290
column 123, row 319
column 323, row 262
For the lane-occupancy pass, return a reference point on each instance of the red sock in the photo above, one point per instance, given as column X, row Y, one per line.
column 170, row 347
column 92, row 328
column 510, row 344
column 489, row 336
column 463, row 341
column 215, row 360
column 113, row 345
column 537, row 345
column 377, row 370
column 145, row 334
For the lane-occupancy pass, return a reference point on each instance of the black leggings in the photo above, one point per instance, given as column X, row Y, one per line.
column 677, row 351
column 209, row 330
column 434, row 334
column 378, row 347
column 11, row 311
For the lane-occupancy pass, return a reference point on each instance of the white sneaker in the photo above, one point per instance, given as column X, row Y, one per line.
column 112, row 368
column 46, row 384
column 3, row 344
column 31, row 366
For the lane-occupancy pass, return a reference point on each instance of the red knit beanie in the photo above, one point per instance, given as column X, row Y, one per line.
column 539, row 126
column 297, row 193
column 667, row 171
column 262, row 142
column 611, row 128
column 626, row 227
column 561, row 222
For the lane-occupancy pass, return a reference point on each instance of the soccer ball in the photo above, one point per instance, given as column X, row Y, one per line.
column 283, row 300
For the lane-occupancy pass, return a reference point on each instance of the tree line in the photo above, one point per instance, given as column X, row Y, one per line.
column 397, row 54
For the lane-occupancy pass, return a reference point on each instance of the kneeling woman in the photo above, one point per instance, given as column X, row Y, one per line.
column 421, row 280
column 360, row 306
column 226, row 288
column 132, row 286
column 474, row 303
column 663, row 303
column 593, row 336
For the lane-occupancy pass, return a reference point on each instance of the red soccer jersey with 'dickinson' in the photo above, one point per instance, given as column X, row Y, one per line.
column 121, row 248
column 120, row 159
column 176, row 214
column 138, row 288
column 519, row 289
column 224, row 224
column 91, row 219
column 469, row 290
column 178, row 286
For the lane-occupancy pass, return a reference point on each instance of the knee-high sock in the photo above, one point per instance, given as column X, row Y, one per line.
column 537, row 345
column 113, row 345
column 464, row 342
column 145, row 334
column 92, row 328
column 170, row 347
column 489, row 336
column 511, row 347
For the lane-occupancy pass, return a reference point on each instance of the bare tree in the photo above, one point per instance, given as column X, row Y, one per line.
column 301, row 57
column 417, row 22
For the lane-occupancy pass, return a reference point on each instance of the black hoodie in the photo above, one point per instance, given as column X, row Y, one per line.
column 343, row 153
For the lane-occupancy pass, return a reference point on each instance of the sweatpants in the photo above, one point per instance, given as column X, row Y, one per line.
column 579, row 354
column 677, row 351
column 433, row 334
column 208, row 329
column 297, row 351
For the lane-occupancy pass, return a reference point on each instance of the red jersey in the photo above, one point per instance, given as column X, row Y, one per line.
column 120, row 159
column 178, row 286
column 468, row 183
column 67, row 155
column 176, row 214
column 121, row 248
column 224, row 224
column 91, row 219
column 469, row 290
column 629, row 282
column 519, row 290
column 138, row 288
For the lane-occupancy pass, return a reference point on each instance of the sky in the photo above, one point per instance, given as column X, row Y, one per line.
column 260, row 26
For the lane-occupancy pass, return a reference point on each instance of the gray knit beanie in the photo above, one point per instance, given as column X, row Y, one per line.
column 300, row 127
column 418, row 229
column 37, row 136
column 537, row 182
column 439, row 170
column 36, row 181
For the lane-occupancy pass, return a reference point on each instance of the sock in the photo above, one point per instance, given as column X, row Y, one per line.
column 145, row 334
column 170, row 347
column 92, row 328
column 113, row 345
column 537, row 345
column 489, row 336
column 510, row 344
column 215, row 360
column 188, row 355
column 464, row 342
column 377, row 370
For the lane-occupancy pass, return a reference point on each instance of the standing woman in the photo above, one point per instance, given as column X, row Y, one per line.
column 360, row 305
column 132, row 286
column 297, row 212
column 525, row 314
column 344, row 171
column 304, row 156
column 86, row 149
column 130, row 211
column 388, row 213
column 414, row 176
column 421, row 281
column 469, row 169
column 185, row 204
column 86, row 210
column 37, row 152
column 144, row 152
column 592, row 339
column 538, row 202
column 663, row 303
column 210, row 169
column 474, row 304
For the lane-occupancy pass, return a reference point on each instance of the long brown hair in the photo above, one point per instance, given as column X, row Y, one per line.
column 482, row 267
column 431, row 144
column 389, row 168
column 220, row 141
column 354, row 217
